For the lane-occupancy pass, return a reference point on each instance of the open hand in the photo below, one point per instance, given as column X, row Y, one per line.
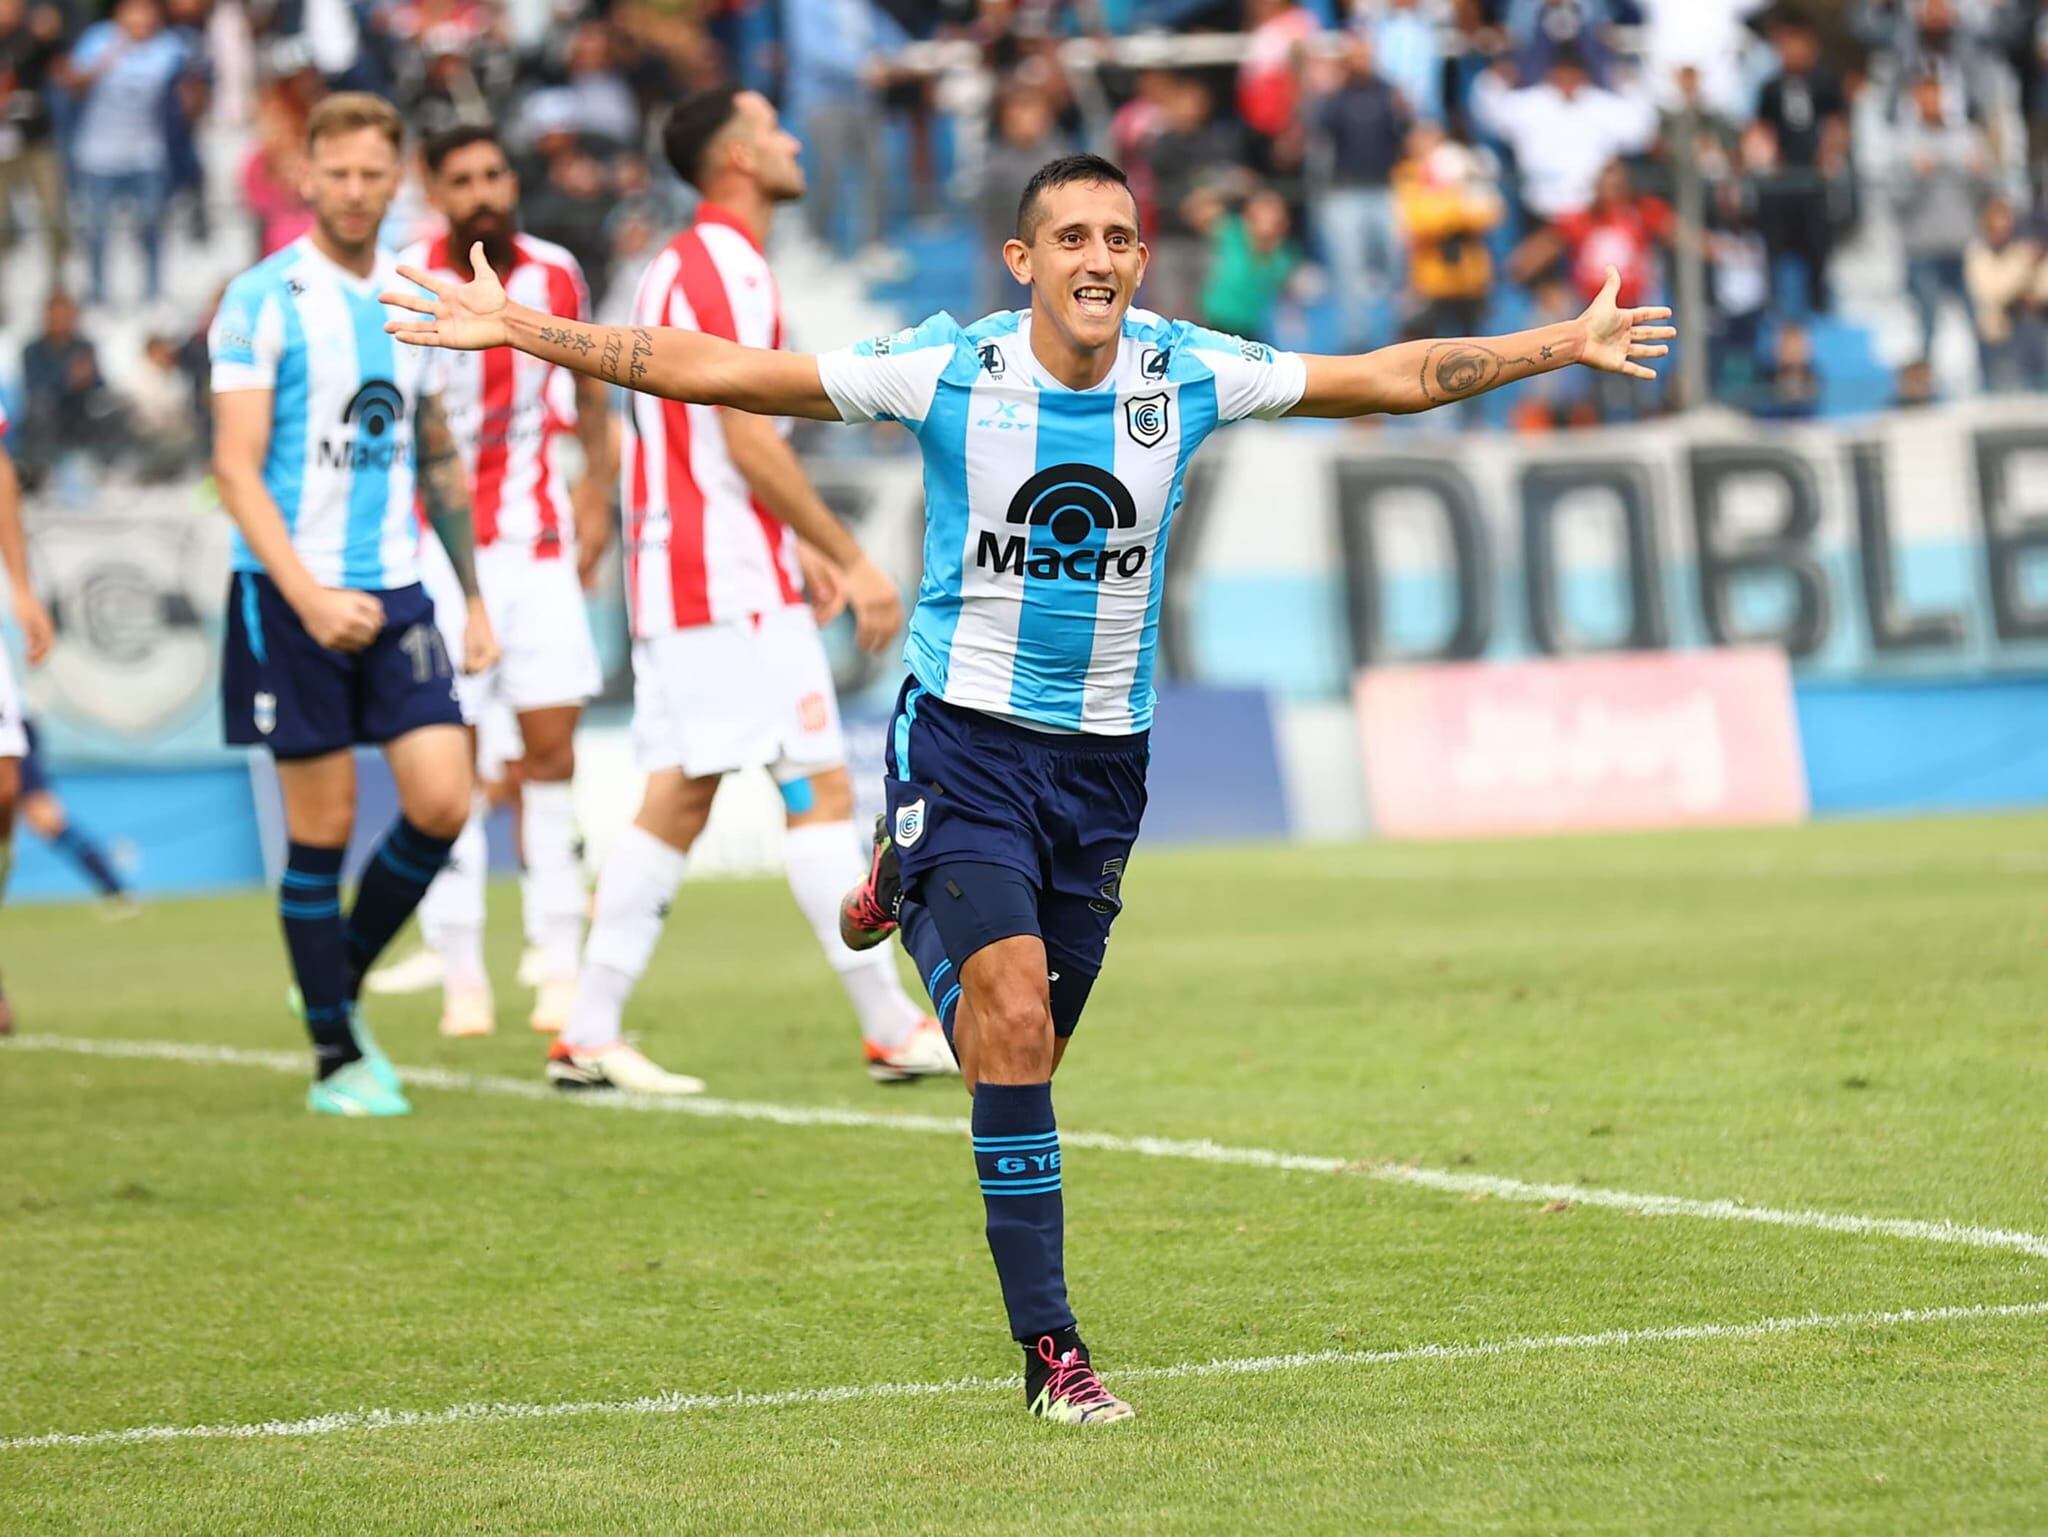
column 464, row 317
column 1618, row 340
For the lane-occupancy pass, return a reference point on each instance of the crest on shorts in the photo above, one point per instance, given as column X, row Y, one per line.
column 1146, row 419
column 909, row 823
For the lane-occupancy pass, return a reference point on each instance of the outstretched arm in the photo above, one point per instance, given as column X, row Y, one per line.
column 681, row 365
column 1419, row 376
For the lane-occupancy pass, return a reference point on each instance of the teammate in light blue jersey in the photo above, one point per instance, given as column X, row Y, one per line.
column 1055, row 444
column 324, row 431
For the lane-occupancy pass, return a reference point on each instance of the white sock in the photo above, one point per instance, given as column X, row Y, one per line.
column 529, row 907
column 823, row 860
column 634, row 888
column 452, row 911
column 554, row 873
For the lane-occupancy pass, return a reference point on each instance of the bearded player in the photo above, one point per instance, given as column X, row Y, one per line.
column 510, row 414
column 1055, row 440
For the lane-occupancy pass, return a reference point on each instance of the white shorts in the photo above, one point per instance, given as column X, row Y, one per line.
column 754, row 693
column 546, row 654
column 13, row 737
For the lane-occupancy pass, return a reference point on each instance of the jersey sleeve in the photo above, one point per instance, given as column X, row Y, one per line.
column 891, row 378
column 1252, row 379
column 247, row 336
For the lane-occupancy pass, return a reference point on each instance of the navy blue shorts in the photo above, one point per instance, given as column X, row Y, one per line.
column 1060, row 810
column 283, row 690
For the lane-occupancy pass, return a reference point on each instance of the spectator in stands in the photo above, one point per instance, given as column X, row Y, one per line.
column 69, row 404
column 1936, row 187
column 1448, row 204
column 31, row 49
column 1697, row 46
column 1914, row 386
column 602, row 102
column 1358, row 133
column 1739, row 285
column 1620, row 228
column 1792, row 391
column 1562, row 130
column 1024, row 142
column 1805, row 149
column 271, row 170
column 566, row 189
column 835, row 53
column 1541, row 29
column 161, row 424
column 2008, row 285
column 1251, row 260
column 1269, row 75
column 1191, row 154
column 1406, row 38
column 124, row 69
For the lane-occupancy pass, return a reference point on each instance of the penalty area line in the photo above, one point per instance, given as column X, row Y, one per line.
column 691, row 1403
column 1447, row 1181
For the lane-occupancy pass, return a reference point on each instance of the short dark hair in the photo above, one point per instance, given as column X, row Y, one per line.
column 1063, row 172
column 697, row 120
column 439, row 146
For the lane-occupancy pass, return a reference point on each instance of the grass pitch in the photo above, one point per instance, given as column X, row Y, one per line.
column 1837, row 1020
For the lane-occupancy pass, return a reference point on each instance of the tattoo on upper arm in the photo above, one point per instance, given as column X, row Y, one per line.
column 1459, row 370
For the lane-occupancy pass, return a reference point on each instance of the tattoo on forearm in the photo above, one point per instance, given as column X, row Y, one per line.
column 609, row 358
column 1459, row 370
column 444, row 488
column 582, row 341
column 643, row 354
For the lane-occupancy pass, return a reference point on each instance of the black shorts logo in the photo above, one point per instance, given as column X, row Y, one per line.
column 375, row 408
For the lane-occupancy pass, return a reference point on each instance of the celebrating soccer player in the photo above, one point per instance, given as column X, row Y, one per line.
column 331, row 641
column 508, row 413
column 1055, row 440
column 36, row 634
column 724, row 532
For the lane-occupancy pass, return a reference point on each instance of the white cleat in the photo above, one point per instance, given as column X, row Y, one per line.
column 618, row 1066
column 551, row 1005
column 924, row 1055
column 533, row 966
column 468, row 1012
column 418, row 973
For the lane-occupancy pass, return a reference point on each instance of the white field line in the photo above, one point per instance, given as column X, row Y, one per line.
column 688, row 1403
column 1637, row 1203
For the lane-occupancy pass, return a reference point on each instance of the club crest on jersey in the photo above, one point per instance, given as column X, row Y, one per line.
column 992, row 360
column 909, row 823
column 1146, row 418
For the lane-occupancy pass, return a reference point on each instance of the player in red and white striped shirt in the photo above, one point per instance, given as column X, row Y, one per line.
column 728, row 671
column 511, row 415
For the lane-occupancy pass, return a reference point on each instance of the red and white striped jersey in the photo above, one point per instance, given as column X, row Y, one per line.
column 699, row 548
column 509, row 411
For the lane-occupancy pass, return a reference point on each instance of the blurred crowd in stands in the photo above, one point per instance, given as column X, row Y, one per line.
column 1388, row 167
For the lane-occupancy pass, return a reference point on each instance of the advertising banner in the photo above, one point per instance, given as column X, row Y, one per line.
column 1469, row 750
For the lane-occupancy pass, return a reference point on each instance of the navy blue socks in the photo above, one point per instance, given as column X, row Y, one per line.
column 1017, row 1155
column 309, row 903
column 393, row 882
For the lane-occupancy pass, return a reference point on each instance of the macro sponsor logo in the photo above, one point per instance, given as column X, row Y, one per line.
column 373, row 412
column 1071, row 502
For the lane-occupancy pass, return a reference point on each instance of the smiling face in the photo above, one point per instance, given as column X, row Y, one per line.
column 1080, row 253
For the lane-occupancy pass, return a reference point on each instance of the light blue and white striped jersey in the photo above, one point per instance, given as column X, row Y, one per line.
column 344, row 394
column 1047, row 509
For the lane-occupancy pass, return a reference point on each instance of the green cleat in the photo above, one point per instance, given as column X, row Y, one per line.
column 366, row 1043
column 356, row 1090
